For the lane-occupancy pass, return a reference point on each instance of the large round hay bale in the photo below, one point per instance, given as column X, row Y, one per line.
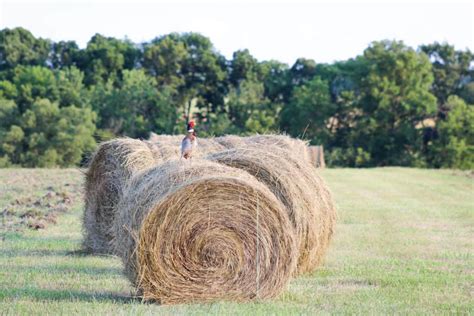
column 296, row 184
column 110, row 167
column 201, row 231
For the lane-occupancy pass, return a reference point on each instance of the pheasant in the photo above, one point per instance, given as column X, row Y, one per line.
column 189, row 143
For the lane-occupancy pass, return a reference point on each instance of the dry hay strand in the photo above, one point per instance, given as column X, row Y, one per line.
column 113, row 163
column 296, row 184
column 201, row 231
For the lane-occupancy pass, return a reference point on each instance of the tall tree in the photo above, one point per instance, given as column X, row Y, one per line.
column 19, row 47
column 452, row 70
column 454, row 146
column 249, row 110
column 34, row 82
column 396, row 101
column 45, row 135
column 136, row 108
column 302, row 71
column 105, row 58
column 309, row 111
column 243, row 66
column 275, row 78
column 64, row 54
column 189, row 63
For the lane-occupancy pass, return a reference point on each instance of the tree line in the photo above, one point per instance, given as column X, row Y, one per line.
column 391, row 105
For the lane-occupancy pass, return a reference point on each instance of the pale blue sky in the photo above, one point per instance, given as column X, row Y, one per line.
column 281, row 30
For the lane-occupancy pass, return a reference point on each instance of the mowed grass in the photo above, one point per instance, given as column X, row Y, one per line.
column 403, row 244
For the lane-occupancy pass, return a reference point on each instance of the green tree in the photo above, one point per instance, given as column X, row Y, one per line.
column 396, row 100
column 10, row 135
column 451, row 69
column 189, row 63
column 30, row 83
column 34, row 82
column 275, row 78
column 454, row 146
column 64, row 54
column 309, row 112
column 105, row 58
column 136, row 108
column 164, row 59
column 45, row 135
column 19, row 47
column 249, row 110
column 243, row 66
column 467, row 92
column 302, row 71
column 69, row 82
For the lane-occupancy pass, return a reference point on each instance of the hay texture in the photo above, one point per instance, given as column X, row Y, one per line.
column 231, row 141
column 297, row 147
column 111, row 166
column 202, row 231
column 296, row 184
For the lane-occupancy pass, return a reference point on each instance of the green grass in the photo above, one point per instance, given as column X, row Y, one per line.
column 404, row 244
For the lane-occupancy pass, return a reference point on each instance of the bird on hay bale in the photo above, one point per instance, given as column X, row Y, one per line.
column 189, row 143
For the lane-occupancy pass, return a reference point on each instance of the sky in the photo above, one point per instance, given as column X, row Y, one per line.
column 325, row 31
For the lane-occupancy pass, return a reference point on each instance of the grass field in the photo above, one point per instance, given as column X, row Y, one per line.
column 404, row 244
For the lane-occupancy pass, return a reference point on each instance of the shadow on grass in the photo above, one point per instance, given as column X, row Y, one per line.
column 32, row 253
column 68, row 295
column 57, row 269
column 38, row 252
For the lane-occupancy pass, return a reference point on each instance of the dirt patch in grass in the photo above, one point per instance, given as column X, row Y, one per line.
column 32, row 202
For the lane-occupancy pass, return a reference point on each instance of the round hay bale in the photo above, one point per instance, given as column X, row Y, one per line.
column 201, row 231
column 113, row 163
column 296, row 184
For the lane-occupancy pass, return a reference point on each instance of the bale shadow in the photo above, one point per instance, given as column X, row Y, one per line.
column 70, row 296
column 10, row 253
column 51, row 269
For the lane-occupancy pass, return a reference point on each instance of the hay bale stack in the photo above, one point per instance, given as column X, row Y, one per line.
column 111, row 166
column 295, row 183
column 203, row 232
